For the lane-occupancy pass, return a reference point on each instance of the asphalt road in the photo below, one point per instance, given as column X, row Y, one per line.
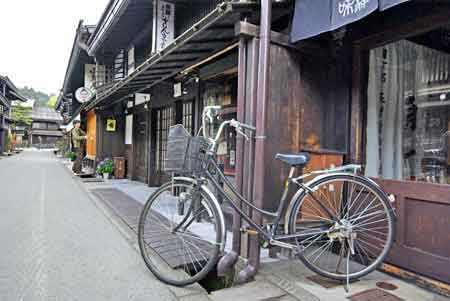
column 55, row 243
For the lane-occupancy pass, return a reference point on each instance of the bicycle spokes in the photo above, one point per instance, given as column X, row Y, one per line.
column 179, row 234
column 352, row 245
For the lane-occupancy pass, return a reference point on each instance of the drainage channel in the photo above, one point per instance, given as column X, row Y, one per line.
column 128, row 210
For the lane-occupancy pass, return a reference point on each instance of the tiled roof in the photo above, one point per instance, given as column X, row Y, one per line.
column 47, row 114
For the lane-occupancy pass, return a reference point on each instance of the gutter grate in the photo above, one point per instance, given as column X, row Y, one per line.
column 324, row 282
column 374, row 295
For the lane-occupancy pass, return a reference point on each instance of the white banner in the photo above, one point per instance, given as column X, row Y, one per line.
column 129, row 129
column 165, row 19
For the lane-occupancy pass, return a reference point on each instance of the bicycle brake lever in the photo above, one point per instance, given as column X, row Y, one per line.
column 240, row 131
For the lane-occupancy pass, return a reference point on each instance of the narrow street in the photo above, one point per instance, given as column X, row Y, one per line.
column 57, row 245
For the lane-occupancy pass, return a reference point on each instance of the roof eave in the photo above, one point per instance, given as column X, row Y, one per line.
column 97, row 38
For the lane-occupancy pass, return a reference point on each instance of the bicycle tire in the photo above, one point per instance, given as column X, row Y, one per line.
column 156, row 263
column 390, row 218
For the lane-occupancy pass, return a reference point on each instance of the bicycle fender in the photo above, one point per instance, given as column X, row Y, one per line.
column 216, row 204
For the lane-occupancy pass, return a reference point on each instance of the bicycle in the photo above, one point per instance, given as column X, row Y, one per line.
column 339, row 224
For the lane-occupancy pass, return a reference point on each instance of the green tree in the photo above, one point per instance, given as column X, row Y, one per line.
column 51, row 103
column 41, row 98
column 21, row 113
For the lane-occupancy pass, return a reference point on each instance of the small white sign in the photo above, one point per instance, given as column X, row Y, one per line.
column 84, row 94
column 141, row 98
column 129, row 129
column 177, row 92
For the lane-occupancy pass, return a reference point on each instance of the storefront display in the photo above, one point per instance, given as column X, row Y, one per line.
column 408, row 111
column 222, row 91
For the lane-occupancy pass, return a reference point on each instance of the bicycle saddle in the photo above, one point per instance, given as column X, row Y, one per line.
column 300, row 159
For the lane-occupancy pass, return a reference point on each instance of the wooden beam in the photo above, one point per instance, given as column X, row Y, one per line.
column 251, row 30
column 437, row 17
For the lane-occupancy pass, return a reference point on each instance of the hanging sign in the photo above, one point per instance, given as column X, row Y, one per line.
column 177, row 90
column 84, row 95
column 165, row 19
column 110, row 125
column 313, row 17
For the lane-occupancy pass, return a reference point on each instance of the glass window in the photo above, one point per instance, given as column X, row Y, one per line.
column 40, row 125
column 408, row 111
column 52, row 126
column 222, row 91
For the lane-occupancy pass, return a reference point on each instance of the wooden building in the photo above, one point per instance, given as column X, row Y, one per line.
column 370, row 88
column 45, row 127
column 8, row 94
column 80, row 73
column 375, row 92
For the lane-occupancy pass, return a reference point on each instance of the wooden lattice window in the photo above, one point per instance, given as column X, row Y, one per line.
column 188, row 116
column 164, row 120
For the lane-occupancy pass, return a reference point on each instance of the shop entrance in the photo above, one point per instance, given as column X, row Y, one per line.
column 140, row 147
column 407, row 133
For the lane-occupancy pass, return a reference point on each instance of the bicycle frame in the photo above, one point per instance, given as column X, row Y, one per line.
column 270, row 234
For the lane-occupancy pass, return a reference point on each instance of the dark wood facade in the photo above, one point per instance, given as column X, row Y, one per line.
column 423, row 209
column 8, row 94
column 322, row 98
column 45, row 127
column 317, row 102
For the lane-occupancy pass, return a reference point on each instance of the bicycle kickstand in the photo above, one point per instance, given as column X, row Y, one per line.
column 347, row 281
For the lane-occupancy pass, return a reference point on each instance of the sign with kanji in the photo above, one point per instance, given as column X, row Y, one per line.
column 84, row 94
column 165, row 21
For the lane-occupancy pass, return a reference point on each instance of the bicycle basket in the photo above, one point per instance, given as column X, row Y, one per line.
column 185, row 154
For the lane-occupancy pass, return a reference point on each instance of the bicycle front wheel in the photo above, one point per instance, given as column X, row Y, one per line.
column 356, row 240
column 180, row 233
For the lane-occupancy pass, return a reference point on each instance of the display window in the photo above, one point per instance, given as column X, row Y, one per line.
column 222, row 91
column 408, row 109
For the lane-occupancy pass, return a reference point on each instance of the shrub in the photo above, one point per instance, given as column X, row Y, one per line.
column 8, row 142
column 105, row 166
column 71, row 156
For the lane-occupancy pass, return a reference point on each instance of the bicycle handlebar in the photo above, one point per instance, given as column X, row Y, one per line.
column 211, row 112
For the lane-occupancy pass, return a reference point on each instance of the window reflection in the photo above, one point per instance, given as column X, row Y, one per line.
column 408, row 111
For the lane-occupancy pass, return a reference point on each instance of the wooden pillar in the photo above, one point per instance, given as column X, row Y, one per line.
column 356, row 141
column 260, row 145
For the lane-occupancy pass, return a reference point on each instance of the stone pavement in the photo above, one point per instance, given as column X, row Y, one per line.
column 58, row 244
column 283, row 279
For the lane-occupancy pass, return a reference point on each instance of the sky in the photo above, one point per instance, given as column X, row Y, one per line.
column 37, row 37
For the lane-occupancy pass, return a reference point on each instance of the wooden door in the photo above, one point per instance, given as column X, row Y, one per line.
column 163, row 119
column 140, row 170
column 91, row 131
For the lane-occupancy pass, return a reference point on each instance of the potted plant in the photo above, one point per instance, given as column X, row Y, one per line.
column 71, row 156
column 105, row 168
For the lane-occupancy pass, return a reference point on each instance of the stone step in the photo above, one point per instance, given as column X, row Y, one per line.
column 256, row 290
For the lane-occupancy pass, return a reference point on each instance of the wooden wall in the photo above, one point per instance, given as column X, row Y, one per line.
column 307, row 110
column 110, row 144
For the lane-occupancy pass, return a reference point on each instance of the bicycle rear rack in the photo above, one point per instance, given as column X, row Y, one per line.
column 354, row 168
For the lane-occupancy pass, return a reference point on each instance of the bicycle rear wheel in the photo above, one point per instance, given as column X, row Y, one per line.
column 180, row 233
column 355, row 244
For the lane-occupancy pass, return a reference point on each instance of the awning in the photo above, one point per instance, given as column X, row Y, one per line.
column 211, row 34
column 313, row 17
